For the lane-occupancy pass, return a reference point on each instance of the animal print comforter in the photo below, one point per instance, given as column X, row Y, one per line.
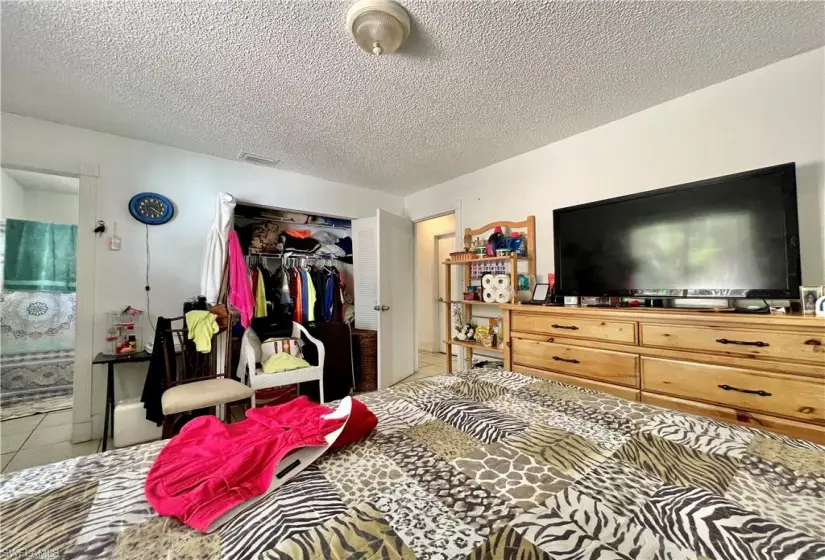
column 483, row 464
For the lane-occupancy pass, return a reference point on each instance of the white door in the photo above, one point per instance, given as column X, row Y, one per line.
column 365, row 272
column 396, row 297
column 384, row 284
column 445, row 246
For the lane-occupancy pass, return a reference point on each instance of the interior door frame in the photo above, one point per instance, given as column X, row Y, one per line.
column 88, row 176
column 454, row 208
column 436, row 278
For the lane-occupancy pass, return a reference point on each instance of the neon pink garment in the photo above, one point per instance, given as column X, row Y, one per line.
column 211, row 467
column 240, row 289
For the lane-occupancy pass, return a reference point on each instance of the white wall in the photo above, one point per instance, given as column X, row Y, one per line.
column 47, row 206
column 43, row 206
column 426, row 285
column 770, row 116
column 191, row 181
column 12, row 201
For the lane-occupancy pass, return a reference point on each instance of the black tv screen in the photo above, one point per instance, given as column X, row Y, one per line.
column 731, row 237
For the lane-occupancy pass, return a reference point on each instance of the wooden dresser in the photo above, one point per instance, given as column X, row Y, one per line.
column 765, row 371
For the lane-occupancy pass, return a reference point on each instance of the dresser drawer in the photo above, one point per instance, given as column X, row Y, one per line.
column 806, row 346
column 792, row 428
column 772, row 393
column 617, row 390
column 574, row 327
column 601, row 365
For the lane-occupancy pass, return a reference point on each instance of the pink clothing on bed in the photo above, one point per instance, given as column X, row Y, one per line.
column 211, row 467
column 240, row 289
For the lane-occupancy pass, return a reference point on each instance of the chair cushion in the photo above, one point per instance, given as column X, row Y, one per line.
column 203, row 394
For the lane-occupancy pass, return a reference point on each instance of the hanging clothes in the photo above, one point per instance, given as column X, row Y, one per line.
column 284, row 296
column 338, row 298
column 295, row 281
column 240, row 288
column 215, row 251
column 317, row 276
column 253, row 278
column 272, row 289
column 260, row 296
column 155, row 382
column 311, row 299
column 201, row 327
column 40, row 257
column 329, row 287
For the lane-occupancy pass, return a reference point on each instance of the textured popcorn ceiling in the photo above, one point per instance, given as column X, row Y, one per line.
column 476, row 83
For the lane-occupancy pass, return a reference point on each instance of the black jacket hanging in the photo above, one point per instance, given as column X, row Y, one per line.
column 155, row 383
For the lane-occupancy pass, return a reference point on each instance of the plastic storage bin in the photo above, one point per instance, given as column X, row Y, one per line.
column 131, row 425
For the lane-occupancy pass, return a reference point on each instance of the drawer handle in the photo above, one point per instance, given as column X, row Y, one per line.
column 758, row 343
column 568, row 360
column 760, row 392
column 572, row 328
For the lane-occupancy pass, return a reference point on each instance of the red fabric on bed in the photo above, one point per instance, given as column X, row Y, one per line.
column 210, row 467
column 361, row 424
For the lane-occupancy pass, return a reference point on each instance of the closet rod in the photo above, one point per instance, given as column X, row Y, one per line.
column 286, row 222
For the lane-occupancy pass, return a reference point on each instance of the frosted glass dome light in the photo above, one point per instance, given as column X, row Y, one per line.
column 378, row 26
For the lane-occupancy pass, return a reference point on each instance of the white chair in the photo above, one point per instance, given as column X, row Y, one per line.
column 257, row 379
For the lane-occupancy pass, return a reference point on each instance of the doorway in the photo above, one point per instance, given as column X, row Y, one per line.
column 38, row 227
column 434, row 241
column 445, row 244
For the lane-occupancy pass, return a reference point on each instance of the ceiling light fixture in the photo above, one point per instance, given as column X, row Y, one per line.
column 378, row 26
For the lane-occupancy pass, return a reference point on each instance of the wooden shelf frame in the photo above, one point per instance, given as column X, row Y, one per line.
column 529, row 224
column 473, row 302
column 485, row 259
column 474, row 345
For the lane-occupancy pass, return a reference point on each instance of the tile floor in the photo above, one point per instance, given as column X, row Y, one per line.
column 430, row 364
column 46, row 438
column 40, row 439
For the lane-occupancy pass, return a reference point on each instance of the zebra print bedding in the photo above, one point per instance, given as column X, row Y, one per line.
column 482, row 464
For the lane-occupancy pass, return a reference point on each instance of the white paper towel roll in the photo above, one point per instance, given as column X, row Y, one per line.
column 502, row 296
column 489, row 295
column 487, row 281
column 502, row 281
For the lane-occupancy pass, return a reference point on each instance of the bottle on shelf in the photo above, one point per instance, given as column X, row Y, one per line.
column 516, row 243
column 495, row 241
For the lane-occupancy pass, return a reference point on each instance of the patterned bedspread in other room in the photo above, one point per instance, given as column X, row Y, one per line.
column 485, row 464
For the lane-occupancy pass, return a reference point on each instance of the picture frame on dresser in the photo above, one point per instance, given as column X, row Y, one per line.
column 808, row 296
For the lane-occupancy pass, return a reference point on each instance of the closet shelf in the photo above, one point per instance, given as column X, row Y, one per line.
column 296, row 255
column 474, row 345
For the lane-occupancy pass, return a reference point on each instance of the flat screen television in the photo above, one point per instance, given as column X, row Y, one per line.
column 735, row 236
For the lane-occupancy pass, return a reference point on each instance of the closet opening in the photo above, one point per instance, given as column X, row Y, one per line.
column 301, row 271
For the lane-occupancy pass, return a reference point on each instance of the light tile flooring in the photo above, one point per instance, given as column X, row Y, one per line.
column 40, row 439
column 430, row 364
column 46, row 438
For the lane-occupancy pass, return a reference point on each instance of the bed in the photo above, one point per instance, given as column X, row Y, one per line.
column 481, row 464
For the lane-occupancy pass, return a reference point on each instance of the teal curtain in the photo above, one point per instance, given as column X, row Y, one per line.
column 40, row 257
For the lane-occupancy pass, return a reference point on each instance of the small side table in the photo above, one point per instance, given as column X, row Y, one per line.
column 110, row 361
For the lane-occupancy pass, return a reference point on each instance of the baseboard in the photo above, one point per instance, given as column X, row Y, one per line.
column 82, row 432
